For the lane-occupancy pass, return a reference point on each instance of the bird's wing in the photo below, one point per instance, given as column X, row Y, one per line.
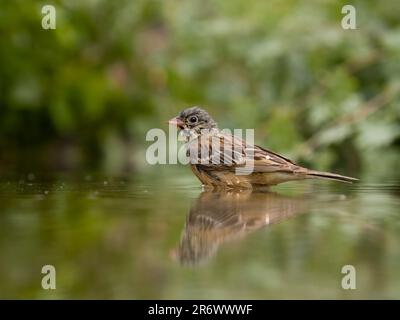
column 216, row 150
column 268, row 161
column 223, row 151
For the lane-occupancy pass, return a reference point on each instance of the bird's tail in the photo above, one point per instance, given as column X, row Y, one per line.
column 331, row 176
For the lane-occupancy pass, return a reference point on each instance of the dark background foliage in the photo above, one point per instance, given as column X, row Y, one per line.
column 87, row 92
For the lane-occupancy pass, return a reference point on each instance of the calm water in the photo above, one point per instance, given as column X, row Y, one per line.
column 160, row 236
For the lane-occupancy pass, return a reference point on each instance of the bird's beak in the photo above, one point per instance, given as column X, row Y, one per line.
column 176, row 122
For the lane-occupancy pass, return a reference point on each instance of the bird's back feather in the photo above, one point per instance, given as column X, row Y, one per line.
column 214, row 159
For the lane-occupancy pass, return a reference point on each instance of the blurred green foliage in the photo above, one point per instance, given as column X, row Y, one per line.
column 88, row 91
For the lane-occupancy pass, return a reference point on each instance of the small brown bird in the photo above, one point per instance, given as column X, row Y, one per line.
column 223, row 160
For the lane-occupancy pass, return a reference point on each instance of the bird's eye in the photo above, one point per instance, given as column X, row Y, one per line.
column 193, row 119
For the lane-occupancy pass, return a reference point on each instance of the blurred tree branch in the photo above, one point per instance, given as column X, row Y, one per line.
column 368, row 108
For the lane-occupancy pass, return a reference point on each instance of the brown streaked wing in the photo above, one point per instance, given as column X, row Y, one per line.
column 228, row 152
column 219, row 151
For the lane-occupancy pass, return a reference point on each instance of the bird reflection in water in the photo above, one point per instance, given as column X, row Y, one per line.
column 218, row 217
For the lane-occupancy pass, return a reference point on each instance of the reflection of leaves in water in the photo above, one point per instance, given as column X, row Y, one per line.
column 218, row 217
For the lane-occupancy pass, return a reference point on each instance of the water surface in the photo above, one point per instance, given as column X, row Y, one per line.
column 160, row 236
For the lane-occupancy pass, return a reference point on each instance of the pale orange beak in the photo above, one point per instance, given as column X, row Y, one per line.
column 176, row 122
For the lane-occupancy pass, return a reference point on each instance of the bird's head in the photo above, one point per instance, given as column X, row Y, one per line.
column 193, row 119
